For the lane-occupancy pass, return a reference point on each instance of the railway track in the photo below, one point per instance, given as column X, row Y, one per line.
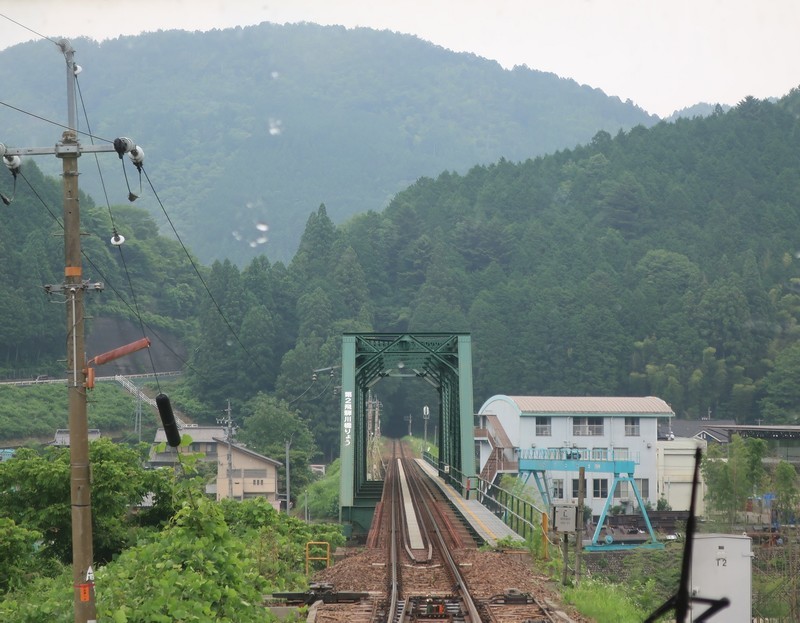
column 426, row 583
column 421, row 564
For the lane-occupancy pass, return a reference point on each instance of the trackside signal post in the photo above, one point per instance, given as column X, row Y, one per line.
column 73, row 289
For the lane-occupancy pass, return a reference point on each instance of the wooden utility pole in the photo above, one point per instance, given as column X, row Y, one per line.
column 80, row 484
column 73, row 289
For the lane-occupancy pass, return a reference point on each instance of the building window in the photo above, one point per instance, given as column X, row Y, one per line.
column 622, row 454
column 543, row 426
column 575, row 485
column 643, row 484
column 599, row 454
column 558, row 488
column 587, row 426
column 632, row 427
column 623, row 490
column 599, row 488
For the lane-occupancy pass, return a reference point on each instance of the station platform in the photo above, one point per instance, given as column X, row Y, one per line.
column 485, row 523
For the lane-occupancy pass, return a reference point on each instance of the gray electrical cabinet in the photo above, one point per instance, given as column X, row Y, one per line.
column 564, row 518
column 722, row 567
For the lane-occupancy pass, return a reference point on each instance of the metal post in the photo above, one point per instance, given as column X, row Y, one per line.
column 288, row 488
column 370, row 415
column 545, row 543
column 579, row 530
column 228, row 435
column 138, row 423
column 227, row 422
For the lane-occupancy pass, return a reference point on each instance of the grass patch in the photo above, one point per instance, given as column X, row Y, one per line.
column 604, row 602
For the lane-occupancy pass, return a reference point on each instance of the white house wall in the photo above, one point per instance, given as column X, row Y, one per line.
column 521, row 430
column 508, row 414
column 641, row 449
column 676, row 473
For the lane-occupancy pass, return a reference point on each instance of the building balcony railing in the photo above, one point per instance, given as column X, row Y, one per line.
column 172, row 457
column 571, row 459
column 578, row 454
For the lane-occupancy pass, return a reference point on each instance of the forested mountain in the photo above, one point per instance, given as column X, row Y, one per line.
column 257, row 126
column 658, row 261
column 149, row 281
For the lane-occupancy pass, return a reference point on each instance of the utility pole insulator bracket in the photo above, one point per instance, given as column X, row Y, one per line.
column 63, row 149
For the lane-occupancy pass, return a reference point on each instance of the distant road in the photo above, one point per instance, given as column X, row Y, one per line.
column 41, row 380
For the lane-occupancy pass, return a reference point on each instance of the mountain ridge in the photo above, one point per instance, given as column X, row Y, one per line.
column 262, row 124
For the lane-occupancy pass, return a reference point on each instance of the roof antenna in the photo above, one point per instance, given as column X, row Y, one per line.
column 681, row 600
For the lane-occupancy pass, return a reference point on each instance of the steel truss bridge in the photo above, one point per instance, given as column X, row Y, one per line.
column 442, row 359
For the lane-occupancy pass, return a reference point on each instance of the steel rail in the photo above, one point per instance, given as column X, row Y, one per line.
column 394, row 586
column 432, row 525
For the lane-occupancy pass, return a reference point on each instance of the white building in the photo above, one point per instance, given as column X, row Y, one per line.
column 601, row 428
column 245, row 474
column 204, row 441
column 675, row 467
column 62, row 437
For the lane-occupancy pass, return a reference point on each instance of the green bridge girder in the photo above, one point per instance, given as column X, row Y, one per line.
column 442, row 359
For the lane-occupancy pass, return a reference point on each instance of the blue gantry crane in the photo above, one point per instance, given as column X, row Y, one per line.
column 538, row 462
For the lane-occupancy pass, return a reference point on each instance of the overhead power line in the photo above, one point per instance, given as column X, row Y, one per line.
column 74, row 69
column 29, row 29
column 53, row 123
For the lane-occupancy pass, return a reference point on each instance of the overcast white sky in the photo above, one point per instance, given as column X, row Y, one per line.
column 661, row 54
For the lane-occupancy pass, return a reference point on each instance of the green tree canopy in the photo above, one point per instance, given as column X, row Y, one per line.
column 787, row 492
column 269, row 425
column 35, row 492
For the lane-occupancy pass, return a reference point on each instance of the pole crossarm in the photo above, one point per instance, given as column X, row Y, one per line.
column 58, row 149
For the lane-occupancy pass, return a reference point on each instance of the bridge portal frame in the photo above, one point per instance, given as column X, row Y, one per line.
column 442, row 359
